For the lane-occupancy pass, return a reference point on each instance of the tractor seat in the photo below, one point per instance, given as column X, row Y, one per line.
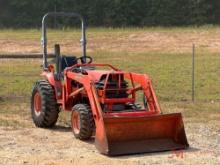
column 67, row 61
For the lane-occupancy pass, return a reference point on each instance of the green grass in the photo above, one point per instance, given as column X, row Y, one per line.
column 170, row 73
column 17, row 77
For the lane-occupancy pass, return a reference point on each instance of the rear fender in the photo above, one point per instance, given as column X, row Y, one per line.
column 49, row 76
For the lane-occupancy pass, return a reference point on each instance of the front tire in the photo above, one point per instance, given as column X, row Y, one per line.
column 82, row 122
column 44, row 109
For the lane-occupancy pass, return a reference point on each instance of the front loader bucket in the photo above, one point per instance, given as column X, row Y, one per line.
column 130, row 135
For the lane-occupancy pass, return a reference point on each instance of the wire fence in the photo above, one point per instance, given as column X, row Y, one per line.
column 174, row 77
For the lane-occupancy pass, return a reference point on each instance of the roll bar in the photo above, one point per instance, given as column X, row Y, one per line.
column 44, row 33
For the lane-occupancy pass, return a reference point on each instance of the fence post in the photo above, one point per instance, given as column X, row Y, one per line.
column 193, row 73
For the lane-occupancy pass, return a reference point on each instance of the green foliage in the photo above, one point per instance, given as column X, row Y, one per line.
column 114, row 13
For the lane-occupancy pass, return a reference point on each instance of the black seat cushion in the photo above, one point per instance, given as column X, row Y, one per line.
column 67, row 61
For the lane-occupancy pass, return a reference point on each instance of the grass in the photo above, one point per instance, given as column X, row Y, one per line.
column 15, row 114
column 170, row 73
column 170, row 70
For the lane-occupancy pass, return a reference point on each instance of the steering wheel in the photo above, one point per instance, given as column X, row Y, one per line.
column 84, row 60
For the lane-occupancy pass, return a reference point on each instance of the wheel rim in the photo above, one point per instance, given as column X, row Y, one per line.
column 75, row 122
column 37, row 103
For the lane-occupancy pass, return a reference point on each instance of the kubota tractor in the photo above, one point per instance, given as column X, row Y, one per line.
column 104, row 102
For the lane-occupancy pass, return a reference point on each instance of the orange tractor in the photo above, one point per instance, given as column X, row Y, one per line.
column 104, row 102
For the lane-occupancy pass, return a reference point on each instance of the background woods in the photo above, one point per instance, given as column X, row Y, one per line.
column 113, row 13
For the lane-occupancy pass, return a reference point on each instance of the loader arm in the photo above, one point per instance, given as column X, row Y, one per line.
column 119, row 133
column 145, row 83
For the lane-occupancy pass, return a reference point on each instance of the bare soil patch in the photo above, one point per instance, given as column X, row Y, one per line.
column 58, row 146
column 176, row 42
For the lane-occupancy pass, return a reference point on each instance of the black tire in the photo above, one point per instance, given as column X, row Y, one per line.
column 85, row 121
column 49, row 110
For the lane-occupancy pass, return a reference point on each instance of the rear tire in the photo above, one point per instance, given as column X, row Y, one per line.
column 82, row 121
column 44, row 109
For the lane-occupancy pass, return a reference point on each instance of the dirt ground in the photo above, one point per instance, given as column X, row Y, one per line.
column 58, row 146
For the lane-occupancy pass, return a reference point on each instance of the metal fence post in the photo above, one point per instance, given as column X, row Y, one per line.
column 193, row 73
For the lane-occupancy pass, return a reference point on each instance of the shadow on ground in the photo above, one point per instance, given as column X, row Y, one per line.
column 176, row 153
column 60, row 128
